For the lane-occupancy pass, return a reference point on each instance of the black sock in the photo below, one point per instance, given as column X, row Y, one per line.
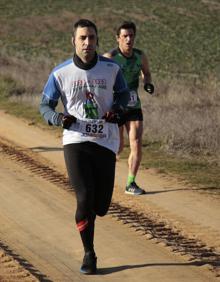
column 86, row 228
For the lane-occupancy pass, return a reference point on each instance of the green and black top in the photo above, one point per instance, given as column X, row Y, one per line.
column 131, row 69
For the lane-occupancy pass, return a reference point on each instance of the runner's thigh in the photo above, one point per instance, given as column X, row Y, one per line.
column 104, row 181
column 78, row 163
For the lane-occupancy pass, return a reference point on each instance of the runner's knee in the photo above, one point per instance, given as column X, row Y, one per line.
column 81, row 210
column 135, row 144
column 102, row 212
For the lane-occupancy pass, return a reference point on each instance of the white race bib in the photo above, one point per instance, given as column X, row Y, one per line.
column 133, row 98
column 93, row 128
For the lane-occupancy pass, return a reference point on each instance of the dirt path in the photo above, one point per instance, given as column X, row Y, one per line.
column 50, row 243
column 198, row 214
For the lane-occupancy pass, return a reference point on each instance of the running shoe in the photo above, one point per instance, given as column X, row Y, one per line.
column 133, row 189
column 89, row 263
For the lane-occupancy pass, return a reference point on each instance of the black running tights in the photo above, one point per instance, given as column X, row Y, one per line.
column 91, row 171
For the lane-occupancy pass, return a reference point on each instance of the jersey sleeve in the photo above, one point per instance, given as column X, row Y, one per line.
column 49, row 101
column 52, row 89
column 121, row 92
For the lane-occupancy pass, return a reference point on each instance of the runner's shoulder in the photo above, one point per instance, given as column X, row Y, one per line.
column 63, row 64
column 138, row 51
column 112, row 53
column 107, row 60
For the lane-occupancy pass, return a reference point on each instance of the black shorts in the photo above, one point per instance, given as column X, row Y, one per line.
column 132, row 115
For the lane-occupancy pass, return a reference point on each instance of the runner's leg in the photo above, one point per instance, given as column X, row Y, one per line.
column 104, row 169
column 135, row 131
column 121, row 133
column 78, row 163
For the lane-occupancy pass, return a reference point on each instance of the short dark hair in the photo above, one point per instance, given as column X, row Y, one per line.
column 126, row 25
column 84, row 23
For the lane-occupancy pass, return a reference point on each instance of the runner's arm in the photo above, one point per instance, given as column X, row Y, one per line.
column 49, row 101
column 145, row 69
column 121, row 92
column 107, row 55
column 146, row 75
column 121, row 99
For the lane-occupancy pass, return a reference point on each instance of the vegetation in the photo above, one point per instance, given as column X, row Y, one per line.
column 197, row 171
column 181, row 39
column 14, row 104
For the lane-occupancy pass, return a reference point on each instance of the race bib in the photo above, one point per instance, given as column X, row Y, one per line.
column 94, row 128
column 133, row 98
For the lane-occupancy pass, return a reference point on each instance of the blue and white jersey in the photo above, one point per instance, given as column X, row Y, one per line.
column 87, row 95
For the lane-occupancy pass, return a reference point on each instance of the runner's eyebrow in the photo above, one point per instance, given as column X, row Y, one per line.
column 83, row 37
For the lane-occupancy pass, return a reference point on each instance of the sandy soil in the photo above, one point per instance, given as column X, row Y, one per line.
column 38, row 237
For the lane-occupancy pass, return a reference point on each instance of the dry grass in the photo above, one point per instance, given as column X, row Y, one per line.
column 29, row 74
column 184, row 115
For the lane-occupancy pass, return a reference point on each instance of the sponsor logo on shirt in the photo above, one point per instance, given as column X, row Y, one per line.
column 92, row 83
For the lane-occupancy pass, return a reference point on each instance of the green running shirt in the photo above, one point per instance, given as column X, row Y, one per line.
column 131, row 69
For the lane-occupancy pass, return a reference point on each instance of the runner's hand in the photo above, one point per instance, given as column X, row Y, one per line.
column 66, row 121
column 112, row 117
column 148, row 87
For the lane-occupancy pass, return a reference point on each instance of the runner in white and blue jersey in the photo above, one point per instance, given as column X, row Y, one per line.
column 94, row 95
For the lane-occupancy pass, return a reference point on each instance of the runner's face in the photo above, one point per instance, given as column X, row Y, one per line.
column 85, row 42
column 126, row 40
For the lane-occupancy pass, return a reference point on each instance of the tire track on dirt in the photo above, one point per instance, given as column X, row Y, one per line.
column 145, row 225
column 15, row 268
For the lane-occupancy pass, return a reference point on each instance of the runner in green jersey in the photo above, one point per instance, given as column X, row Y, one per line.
column 134, row 64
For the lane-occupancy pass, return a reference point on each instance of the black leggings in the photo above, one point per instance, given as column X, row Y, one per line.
column 91, row 170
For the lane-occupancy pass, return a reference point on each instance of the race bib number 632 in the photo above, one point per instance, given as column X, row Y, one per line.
column 94, row 128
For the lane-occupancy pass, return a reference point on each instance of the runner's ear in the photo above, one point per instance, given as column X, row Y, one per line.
column 73, row 41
